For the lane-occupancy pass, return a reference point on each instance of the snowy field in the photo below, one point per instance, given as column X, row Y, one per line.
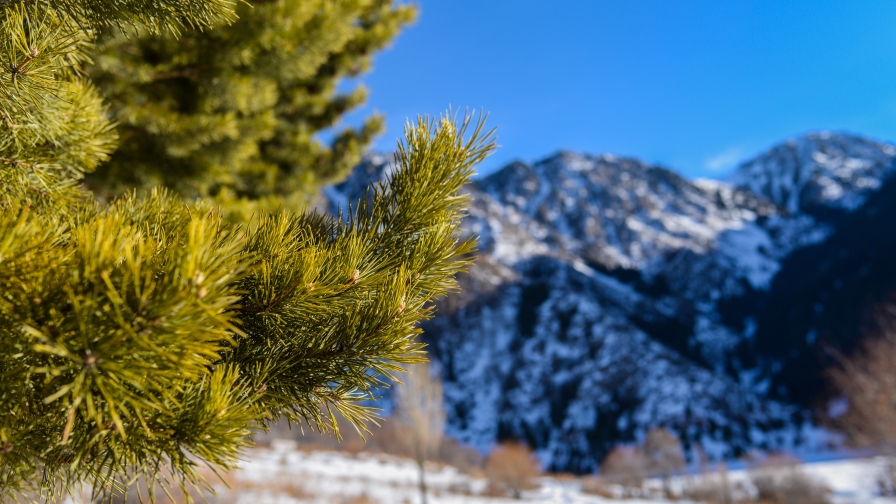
column 282, row 475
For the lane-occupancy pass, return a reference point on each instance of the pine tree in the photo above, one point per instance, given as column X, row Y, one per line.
column 231, row 112
column 148, row 336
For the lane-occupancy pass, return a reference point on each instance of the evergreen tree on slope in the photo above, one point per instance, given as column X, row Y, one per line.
column 148, row 336
column 231, row 112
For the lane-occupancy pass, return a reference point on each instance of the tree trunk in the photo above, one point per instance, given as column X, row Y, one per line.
column 422, row 481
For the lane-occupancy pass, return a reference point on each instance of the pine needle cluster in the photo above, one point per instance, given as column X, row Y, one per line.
column 149, row 336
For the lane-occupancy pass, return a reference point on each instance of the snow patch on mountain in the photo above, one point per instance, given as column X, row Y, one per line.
column 619, row 212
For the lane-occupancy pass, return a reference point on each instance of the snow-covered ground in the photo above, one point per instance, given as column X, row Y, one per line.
column 852, row 481
column 283, row 475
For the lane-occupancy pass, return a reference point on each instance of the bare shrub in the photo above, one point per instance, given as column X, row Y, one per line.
column 780, row 480
column 664, row 455
column 512, row 468
column 866, row 381
column 625, row 466
column 711, row 487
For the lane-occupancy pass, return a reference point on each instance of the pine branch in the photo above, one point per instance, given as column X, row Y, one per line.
column 126, row 345
column 388, row 287
column 146, row 334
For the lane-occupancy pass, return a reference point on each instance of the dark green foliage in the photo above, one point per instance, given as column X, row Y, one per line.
column 231, row 112
column 149, row 336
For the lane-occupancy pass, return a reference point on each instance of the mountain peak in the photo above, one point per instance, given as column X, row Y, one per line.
column 818, row 172
column 619, row 212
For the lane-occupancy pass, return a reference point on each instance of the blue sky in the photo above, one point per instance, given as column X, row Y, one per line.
column 694, row 85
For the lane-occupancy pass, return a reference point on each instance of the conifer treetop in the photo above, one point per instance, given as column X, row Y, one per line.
column 235, row 113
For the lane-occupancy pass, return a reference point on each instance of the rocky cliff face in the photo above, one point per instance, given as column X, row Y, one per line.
column 611, row 296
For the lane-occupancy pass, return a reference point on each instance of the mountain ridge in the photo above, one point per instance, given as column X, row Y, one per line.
column 611, row 296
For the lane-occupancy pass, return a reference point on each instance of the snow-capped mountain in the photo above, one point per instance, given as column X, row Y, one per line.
column 611, row 296
column 819, row 171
